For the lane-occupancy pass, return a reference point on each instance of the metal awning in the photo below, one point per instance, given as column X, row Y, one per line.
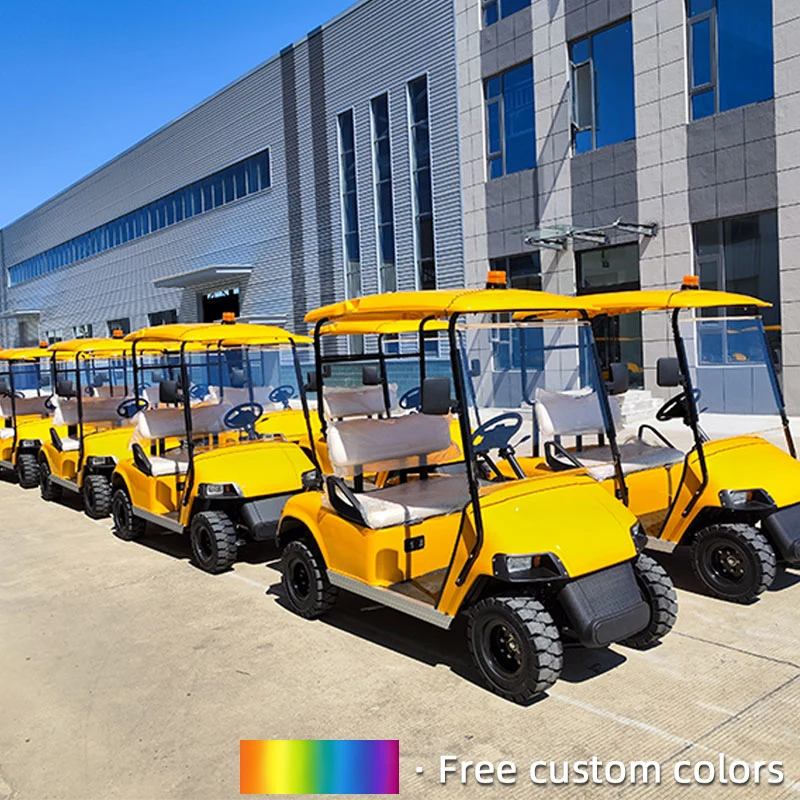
column 556, row 236
column 203, row 276
column 20, row 312
column 280, row 320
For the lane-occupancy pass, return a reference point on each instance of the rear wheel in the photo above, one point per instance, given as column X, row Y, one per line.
column 47, row 488
column 305, row 581
column 27, row 470
column 659, row 593
column 213, row 538
column 126, row 525
column 515, row 645
column 97, row 496
column 734, row 562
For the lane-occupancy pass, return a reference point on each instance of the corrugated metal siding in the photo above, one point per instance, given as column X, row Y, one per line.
column 377, row 47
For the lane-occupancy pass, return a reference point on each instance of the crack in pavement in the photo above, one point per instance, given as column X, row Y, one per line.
column 737, row 650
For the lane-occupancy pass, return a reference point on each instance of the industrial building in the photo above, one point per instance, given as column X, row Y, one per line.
column 581, row 145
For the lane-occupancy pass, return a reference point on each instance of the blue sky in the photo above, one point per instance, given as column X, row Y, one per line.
column 81, row 81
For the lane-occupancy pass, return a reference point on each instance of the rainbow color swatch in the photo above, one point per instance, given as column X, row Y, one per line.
column 319, row 766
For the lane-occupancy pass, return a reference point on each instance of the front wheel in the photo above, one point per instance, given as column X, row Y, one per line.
column 48, row 490
column 27, row 470
column 515, row 645
column 213, row 538
column 657, row 589
column 97, row 496
column 305, row 580
column 127, row 526
column 734, row 562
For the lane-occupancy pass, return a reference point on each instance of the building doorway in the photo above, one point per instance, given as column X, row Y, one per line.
column 215, row 304
column 615, row 269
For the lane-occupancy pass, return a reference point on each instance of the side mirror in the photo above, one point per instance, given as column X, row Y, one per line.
column 98, row 380
column 237, row 378
column 436, row 396
column 326, row 370
column 668, row 372
column 371, row 375
column 3, row 388
column 168, row 393
column 65, row 388
column 311, row 382
column 619, row 378
column 475, row 368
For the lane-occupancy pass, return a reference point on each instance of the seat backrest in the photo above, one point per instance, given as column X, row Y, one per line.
column 571, row 413
column 24, row 405
column 162, row 423
column 238, row 395
column 359, row 445
column 362, row 401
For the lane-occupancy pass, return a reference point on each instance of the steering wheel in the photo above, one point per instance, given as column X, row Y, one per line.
column 198, row 391
column 49, row 404
column 282, row 394
column 243, row 417
column 676, row 407
column 412, row 399
column 89, row 391
column 496, row 433
column 132, row 406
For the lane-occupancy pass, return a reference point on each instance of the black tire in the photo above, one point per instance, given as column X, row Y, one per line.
column 305, row 580
column 126, row 525
column 213, row 538
column 97, row 496
column 657, row 589
column 734, row 562
column 516, row 646
column 49, row 490
column 27, row 470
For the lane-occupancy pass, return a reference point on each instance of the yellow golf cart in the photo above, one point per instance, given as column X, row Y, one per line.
column 729, row 493
column 96, row 405
column 531, row 562
column 198, row 462
column 26, row 407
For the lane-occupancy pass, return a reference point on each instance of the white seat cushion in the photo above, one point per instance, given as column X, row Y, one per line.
column 414, row 501
column 161, row 423
column 572, row 413
column 70, row 444
column 362, row 401
column 161, row 466
column 635, row 455
column 6, row 433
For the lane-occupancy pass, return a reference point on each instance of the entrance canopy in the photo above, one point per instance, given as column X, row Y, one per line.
column 203, row 276
column 556, row 237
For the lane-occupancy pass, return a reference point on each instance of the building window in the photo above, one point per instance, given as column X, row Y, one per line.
column 741, row 255
column 603, row 107
column 619, row 339
column 731, row 61
column 244, row 178
column 349, row 194
column 384, row 203
column 494, row 10
column 82, row 331
column 522, row 272
column 421, row 176
column 168, row 317
column 51, row 337
column 122, row 324
column 510, row 123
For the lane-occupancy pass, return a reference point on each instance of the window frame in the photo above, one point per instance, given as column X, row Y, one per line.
column 343, row 201
column 713, row 84
column 379, row 224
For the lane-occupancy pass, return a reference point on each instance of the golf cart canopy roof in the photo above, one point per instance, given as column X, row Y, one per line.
column 443, row 303
column 104, row 347
column 23, row 354
column 233, row 333
column 391, row 327
column 615, row 303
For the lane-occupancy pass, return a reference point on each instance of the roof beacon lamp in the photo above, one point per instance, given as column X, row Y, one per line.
column 117, row 333
column 496, row 279
column 228, row 317
column 690, row 282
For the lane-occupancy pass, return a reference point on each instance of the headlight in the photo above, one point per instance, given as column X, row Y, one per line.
column 218, row 490
column 311, row 480
column 101, row 461
column 29, row 443
column 746, row 499
column 534, row 567
column 639, row 537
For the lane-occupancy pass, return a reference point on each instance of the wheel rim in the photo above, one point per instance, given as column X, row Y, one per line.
column 300, row 580
column 89, row 495
column 120, row 515
column 205, row 545
column 503, row 649
column 44, row 476
column 728, row 565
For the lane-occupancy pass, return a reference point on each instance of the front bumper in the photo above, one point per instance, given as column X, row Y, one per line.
column 605, row 606
column 261, row 516
column 782, row 528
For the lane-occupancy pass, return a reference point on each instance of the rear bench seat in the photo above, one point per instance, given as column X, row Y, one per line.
column 577, row 414
column 363, row 445
column 164, row 423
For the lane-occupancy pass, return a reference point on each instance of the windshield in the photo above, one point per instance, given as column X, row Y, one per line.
column 733, row 375
column 545, row 373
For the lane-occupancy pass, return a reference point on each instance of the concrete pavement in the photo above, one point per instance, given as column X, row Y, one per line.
column 127, row 673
